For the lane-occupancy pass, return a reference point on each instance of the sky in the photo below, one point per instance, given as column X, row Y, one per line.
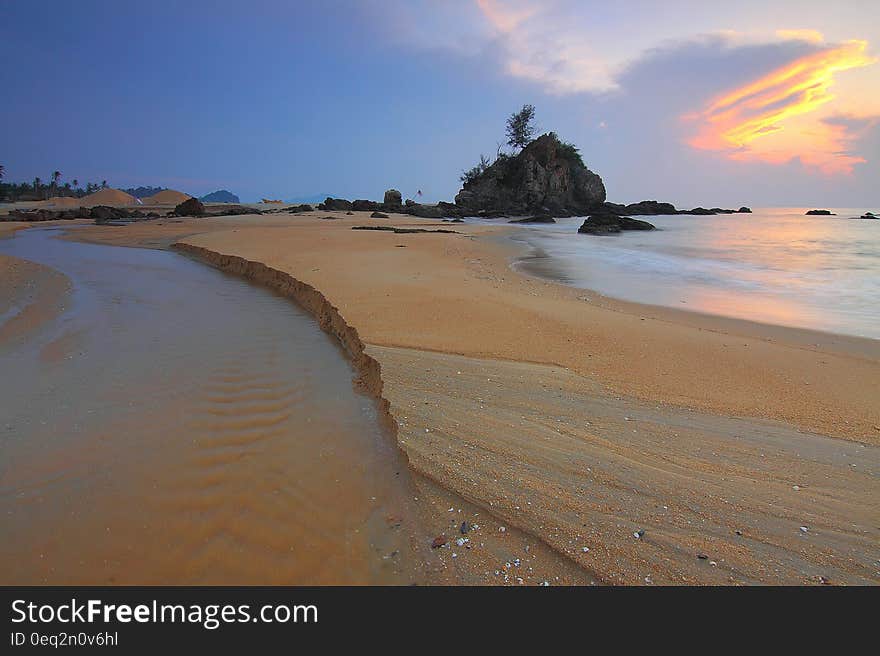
column 696, row 103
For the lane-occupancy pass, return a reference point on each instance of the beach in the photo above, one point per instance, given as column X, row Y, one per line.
column 628, row 441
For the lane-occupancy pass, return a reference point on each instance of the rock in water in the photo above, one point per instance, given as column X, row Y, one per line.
column 819, row 213
column 548, row 176
column 393, row 198
column 649, row 208
column 191, row 207
column 604, row 223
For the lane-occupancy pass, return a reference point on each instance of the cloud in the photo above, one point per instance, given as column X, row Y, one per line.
column 537, row 45
column 779, row 116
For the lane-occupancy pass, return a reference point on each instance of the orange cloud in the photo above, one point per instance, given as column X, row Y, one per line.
column 778, row 117
column 505, row 18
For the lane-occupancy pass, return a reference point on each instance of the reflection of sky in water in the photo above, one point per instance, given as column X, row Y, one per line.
column 776, row 266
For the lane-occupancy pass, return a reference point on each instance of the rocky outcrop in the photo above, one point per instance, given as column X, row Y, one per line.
column 236, row 210
column 378, row 215
column 364, row 205
column 295, row 209
column 547, row 177
column 335, row 204
column 191, row 207
column 819, row 213
column 392, row 198
column 643, row 208
column 604, row 223
column 656, row 208
column 423, row 211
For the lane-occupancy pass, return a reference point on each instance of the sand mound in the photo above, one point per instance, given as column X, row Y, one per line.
column 108, row 196
column 166, row 197
column 61, row 202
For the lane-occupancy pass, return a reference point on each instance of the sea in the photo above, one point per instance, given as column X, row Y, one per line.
column 775, row 265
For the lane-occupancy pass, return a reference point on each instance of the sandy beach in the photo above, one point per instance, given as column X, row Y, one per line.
column 737, row 452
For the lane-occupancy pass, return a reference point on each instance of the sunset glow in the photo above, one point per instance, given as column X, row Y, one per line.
column 784, row 114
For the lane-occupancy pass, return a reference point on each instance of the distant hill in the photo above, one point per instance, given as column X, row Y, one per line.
column 144, row 192
column 220, row 196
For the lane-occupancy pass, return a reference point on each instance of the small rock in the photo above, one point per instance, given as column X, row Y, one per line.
column 702, row 556
column 439, row 541
column 804, row 529
column 822, row 580
column 638, row 534
column 738, row 532
column 465, row 527
column 585, row 549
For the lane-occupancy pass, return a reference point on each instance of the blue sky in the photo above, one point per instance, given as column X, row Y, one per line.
column 288, row 99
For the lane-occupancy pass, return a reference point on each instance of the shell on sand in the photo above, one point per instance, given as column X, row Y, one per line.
column 108, row 196
column 166, row 197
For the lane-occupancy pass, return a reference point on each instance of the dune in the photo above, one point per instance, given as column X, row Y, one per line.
column 166, row 197
column 61, row 202
column 108, row 196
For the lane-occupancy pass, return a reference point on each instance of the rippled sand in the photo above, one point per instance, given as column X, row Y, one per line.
column 191, row 428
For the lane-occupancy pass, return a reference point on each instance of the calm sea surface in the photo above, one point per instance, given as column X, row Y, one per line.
column 774, row 266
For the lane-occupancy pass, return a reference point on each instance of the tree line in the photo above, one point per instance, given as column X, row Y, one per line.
column 38, row 189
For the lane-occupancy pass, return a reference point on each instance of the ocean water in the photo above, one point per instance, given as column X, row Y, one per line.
column 775, row 265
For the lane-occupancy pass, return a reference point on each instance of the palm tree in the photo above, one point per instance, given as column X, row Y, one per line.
column 103, row 184
column 75, row 183
column 37, row 183
column 2, row 171
column 56, row 176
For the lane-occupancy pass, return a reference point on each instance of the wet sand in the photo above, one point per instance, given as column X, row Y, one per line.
column 30, row 294
column 596, row 418
column 179, row 426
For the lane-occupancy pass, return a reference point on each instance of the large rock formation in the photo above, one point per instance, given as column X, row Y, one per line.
column 547, row 177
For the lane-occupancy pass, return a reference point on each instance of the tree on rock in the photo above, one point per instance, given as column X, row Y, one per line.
column 520, row 127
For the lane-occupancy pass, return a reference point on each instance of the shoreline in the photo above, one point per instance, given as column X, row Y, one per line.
column 430, row 488
column 722, row 323
column 425, row 460
column 549, row 449
column 653, row 353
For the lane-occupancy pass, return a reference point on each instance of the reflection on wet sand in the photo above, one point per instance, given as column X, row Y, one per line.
column 138, row 447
